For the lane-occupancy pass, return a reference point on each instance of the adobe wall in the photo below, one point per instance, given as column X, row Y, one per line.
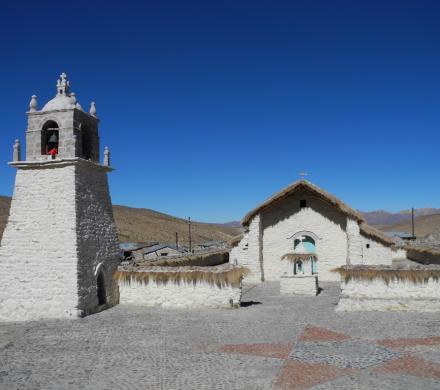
column 183, row 295
column 377, row 253
column 398, row 295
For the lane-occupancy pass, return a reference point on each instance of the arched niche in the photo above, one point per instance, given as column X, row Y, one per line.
column 50, row 137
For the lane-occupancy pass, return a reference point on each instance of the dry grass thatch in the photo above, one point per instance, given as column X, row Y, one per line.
column 293, row 257
column 303, row 185
column 221, row 276
column 375, row 234
column 388, row 274
column 199, row 259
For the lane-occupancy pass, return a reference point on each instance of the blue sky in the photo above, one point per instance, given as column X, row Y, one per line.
column 210, row 107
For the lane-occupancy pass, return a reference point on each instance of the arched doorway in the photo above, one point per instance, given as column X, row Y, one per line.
column 100, row 289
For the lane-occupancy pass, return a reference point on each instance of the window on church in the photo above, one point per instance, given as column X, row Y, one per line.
column 303, row 203
column 368, row 246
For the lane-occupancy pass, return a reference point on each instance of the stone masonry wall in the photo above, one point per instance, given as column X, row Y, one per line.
column 183, row 295
column 238, row 254
column 354, row 242
column 252, row 261
column 38, row 266
column 281, row 222
column 397, row 296
column 97, row 239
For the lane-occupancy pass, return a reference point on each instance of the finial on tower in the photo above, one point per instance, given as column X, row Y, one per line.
column 33, row 104
column 92, row 110
column 106, row 157
column 17, row 151
column 63, row 85
column 303, row 175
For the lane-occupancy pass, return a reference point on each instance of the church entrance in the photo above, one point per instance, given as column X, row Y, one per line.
column 100, row 289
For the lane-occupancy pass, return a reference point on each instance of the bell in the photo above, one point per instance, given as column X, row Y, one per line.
column 53, row 139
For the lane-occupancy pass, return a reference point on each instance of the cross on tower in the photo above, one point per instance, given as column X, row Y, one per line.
column 302, row 175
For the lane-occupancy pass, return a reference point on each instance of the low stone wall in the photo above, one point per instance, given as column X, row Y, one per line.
column 389, row 288
column 299, row 285
column 181, row 287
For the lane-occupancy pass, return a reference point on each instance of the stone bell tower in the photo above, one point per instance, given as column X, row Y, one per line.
column 60, row 246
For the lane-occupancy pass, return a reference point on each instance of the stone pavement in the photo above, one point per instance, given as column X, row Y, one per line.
column 272, row 342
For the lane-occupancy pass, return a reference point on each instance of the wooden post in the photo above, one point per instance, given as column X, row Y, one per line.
column 189, row 230
column 412, row 223
column 177, row 240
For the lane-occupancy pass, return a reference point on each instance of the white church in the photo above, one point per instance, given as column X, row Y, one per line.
column 60, row 246
column 303, row 231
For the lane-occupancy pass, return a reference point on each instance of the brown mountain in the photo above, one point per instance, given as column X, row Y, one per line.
column 382, row 217
column 148, row 225
column 426, row 224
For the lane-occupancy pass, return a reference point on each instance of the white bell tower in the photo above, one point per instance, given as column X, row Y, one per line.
column 60, row 246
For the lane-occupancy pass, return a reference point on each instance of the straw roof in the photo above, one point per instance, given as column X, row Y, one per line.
column 221, row 275
column 415, row 274
column 303, row 185
column 202, row 259
column 375, row 234
column 293, row 257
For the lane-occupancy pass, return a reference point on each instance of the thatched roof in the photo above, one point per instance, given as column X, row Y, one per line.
column 221, row 275
column 303, row 185
column 375, row 234
column 203, row 259
column 416, row 274
column 299, row 256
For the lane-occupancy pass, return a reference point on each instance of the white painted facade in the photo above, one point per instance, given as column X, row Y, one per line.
column 398, row 295
column 270, row 235
column 182, row 295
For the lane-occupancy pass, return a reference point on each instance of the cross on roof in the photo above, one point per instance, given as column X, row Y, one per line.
column 303, row 175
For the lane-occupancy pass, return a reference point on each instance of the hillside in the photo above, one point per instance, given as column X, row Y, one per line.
column 382, row 217
column 424, row 225
column 149, row 225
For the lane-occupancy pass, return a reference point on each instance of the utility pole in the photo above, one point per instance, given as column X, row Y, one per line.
column 177, row 240
column 189, row 231
column 412, row 223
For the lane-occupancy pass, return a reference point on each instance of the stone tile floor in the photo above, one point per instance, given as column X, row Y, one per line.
column 273, row 342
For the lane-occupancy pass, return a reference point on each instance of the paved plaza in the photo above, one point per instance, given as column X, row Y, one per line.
column 272, row 342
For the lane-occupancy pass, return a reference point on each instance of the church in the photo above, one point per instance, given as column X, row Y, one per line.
column 304, row 230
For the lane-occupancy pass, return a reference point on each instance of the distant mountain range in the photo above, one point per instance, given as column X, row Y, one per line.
column 382, row 217
column 378, row 217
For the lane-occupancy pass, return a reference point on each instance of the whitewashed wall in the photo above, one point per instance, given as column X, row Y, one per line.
column 368, row 295
column 183, row 295
column 280, row 222
column 354, row 242
column 252, row 259
column 398, row 253
column 377, row 253
column 60, row 230
column 239, row 253
column 38, row 253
